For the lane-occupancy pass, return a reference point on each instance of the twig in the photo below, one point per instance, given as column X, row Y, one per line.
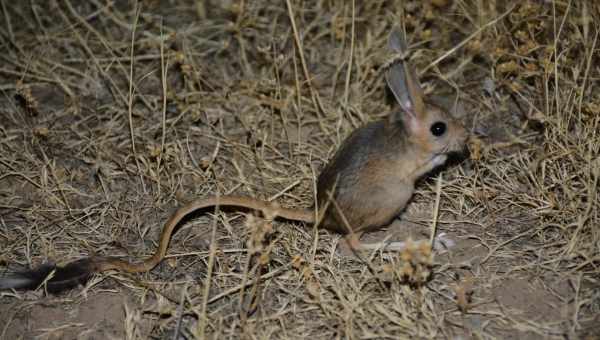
column 313, row 93
column 130, row 102
column 351, row 56
column 436, row 209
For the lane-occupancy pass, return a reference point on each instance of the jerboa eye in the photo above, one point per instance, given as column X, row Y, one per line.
column 438, row 129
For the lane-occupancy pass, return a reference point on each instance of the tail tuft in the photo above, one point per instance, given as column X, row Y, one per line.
column 26, row 280
column 64, row 278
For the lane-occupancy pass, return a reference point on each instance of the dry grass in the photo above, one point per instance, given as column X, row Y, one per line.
column 112, row 114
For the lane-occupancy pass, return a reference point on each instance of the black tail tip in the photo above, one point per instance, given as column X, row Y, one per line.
column 60, row 278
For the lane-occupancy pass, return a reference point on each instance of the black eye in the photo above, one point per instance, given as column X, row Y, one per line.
column 438, row 128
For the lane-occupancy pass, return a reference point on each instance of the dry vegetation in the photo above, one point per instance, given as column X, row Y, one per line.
column 112, row 116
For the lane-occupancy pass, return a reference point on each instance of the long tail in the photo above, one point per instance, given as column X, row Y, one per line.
column 56, row 279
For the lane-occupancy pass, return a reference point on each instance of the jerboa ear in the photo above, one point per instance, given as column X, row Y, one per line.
column 402, row 79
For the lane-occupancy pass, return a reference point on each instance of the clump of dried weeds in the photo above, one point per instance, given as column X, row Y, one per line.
column 113, row 112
